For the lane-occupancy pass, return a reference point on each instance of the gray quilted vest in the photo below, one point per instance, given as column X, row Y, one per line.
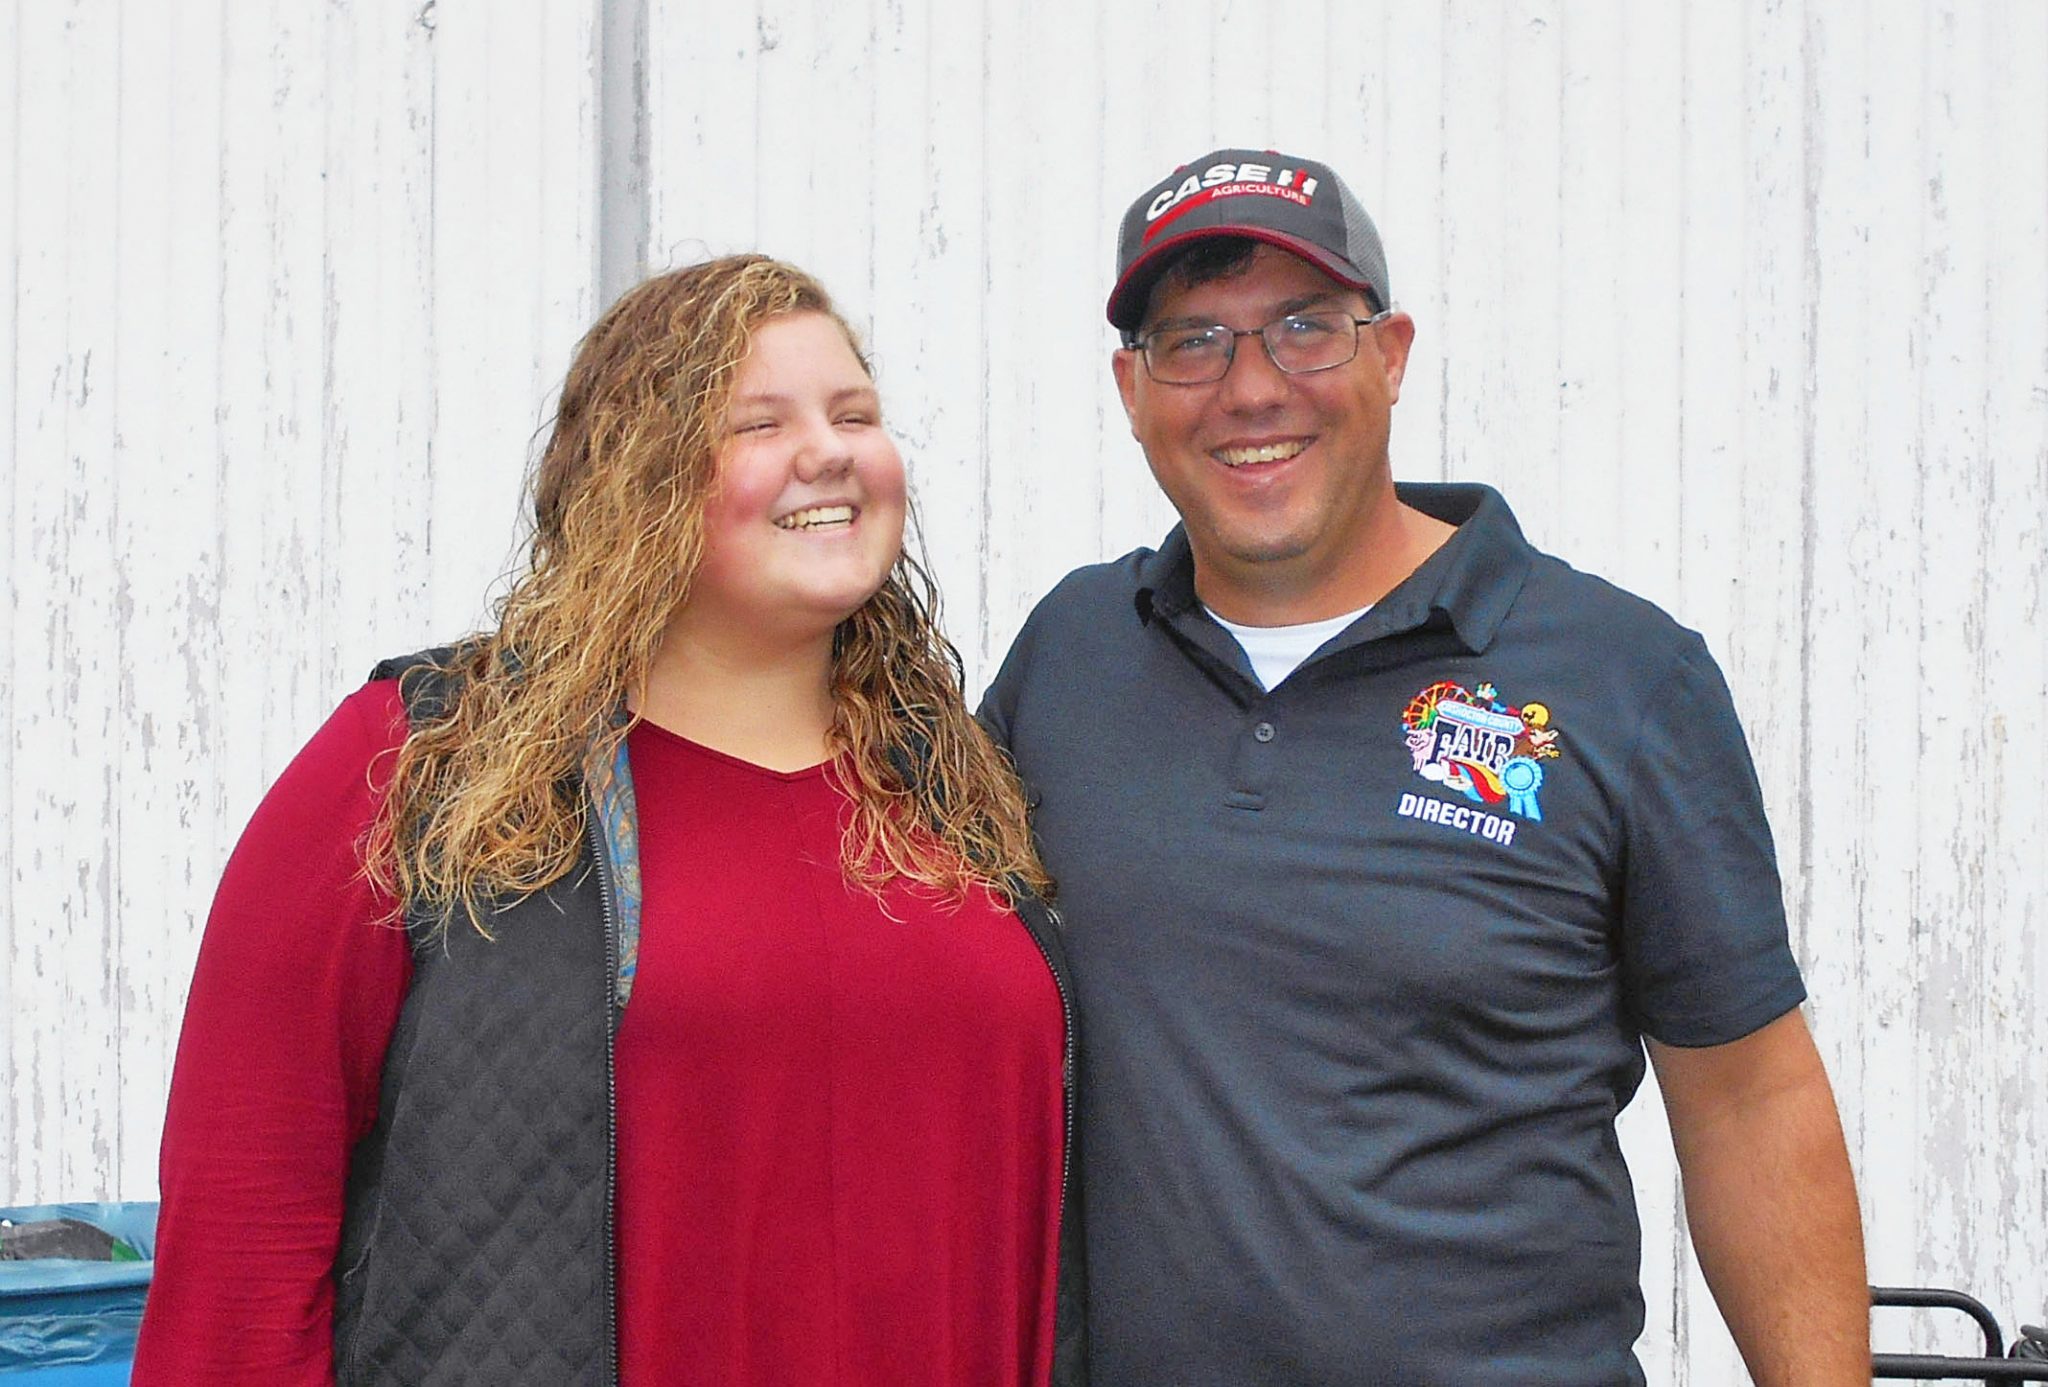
column 476, row 1233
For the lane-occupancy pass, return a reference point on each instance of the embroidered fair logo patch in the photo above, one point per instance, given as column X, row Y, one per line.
column 1474, row 744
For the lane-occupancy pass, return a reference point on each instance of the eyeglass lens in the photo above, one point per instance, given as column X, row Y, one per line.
column 1297, row 343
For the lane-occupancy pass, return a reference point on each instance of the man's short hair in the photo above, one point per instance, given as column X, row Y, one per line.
column 1204, row 262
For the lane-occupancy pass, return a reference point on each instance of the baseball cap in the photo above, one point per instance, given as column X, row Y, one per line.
column 1297, row 204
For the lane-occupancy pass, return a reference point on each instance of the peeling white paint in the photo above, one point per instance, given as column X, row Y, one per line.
column 1740, row 305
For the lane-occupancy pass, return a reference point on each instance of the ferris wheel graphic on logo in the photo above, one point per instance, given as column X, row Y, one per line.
column 1471, row 742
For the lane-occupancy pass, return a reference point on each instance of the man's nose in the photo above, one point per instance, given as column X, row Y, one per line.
column 1252, row 381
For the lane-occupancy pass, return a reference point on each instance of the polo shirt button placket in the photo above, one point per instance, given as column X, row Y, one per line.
column 1251, row 769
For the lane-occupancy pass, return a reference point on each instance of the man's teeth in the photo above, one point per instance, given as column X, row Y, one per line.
column 1268, row 452
column 816, row 516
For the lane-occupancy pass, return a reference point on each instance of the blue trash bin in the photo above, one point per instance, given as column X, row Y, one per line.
column 67, row 1323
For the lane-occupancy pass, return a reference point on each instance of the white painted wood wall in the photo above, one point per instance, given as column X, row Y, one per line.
column 1742, row 304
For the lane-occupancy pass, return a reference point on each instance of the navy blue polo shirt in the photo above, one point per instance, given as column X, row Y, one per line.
column 1364, row 962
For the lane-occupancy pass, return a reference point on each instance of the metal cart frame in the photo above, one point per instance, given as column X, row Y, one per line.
column 2025, row 1360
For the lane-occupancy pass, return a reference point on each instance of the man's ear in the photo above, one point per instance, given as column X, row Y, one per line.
column 1123, row 364
column 1396, row 336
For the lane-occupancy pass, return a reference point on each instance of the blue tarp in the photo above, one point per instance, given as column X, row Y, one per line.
column 67, row 1323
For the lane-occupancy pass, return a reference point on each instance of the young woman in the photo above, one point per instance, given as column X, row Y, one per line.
column 655, row 989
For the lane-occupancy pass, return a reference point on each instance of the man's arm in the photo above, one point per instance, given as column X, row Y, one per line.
column 1771, row 1202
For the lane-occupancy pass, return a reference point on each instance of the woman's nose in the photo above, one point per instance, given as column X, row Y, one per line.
column 822, row 453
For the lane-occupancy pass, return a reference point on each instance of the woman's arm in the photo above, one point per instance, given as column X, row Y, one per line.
column 296, row 991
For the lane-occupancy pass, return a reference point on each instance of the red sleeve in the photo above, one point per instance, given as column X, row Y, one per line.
column 293, row 1001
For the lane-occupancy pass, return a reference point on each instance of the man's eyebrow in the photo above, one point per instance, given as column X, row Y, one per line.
column 1320, row 299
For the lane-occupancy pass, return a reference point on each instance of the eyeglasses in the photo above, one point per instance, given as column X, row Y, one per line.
column 1298, row 344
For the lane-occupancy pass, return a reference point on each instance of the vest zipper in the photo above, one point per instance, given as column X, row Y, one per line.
column 1066, row 1063
column 602, row 859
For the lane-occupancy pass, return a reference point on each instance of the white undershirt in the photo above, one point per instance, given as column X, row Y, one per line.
column 1277, row 651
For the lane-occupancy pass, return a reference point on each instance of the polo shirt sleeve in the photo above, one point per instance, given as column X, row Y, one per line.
column 994, row 713
column 999, row 705
column 1704, row 950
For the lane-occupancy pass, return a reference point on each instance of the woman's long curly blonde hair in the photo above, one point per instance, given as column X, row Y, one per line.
column 485, row 801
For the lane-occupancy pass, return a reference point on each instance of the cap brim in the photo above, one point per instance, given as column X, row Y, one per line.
column 1127, row 300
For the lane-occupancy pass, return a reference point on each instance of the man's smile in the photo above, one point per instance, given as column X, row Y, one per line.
column 1240, row 455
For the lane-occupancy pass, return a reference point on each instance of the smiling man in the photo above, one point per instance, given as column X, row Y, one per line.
column 1388, row 846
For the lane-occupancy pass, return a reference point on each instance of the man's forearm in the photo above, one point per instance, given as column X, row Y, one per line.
column 1771, row 1203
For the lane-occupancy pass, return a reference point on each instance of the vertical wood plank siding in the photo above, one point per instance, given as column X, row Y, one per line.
column 1744, row 306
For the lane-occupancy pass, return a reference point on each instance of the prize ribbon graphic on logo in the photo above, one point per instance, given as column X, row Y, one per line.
column 1471, row 742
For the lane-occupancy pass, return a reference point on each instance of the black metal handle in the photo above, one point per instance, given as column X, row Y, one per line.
column 1932, row 1367
column 1933, row 1298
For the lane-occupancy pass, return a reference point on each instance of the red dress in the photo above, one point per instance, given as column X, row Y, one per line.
column 840, row 1122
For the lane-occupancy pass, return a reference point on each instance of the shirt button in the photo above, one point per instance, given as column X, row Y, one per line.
column 1263, row 732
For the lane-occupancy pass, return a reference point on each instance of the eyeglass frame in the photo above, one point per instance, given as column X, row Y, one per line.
column 1136, row 342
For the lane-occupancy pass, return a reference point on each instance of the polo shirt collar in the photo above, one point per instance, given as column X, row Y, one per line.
column 1470, row 583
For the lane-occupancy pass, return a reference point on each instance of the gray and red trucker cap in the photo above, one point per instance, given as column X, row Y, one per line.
column 1297, row 204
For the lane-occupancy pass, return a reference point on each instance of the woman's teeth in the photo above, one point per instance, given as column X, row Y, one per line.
column 1267, row 452
column 816, row 517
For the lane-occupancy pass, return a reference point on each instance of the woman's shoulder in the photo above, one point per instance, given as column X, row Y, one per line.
column 363, row 730
column 372, row 722
column 424, row 680
column 331, row 789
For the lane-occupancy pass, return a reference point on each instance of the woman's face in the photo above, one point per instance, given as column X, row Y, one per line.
column 807, row 517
